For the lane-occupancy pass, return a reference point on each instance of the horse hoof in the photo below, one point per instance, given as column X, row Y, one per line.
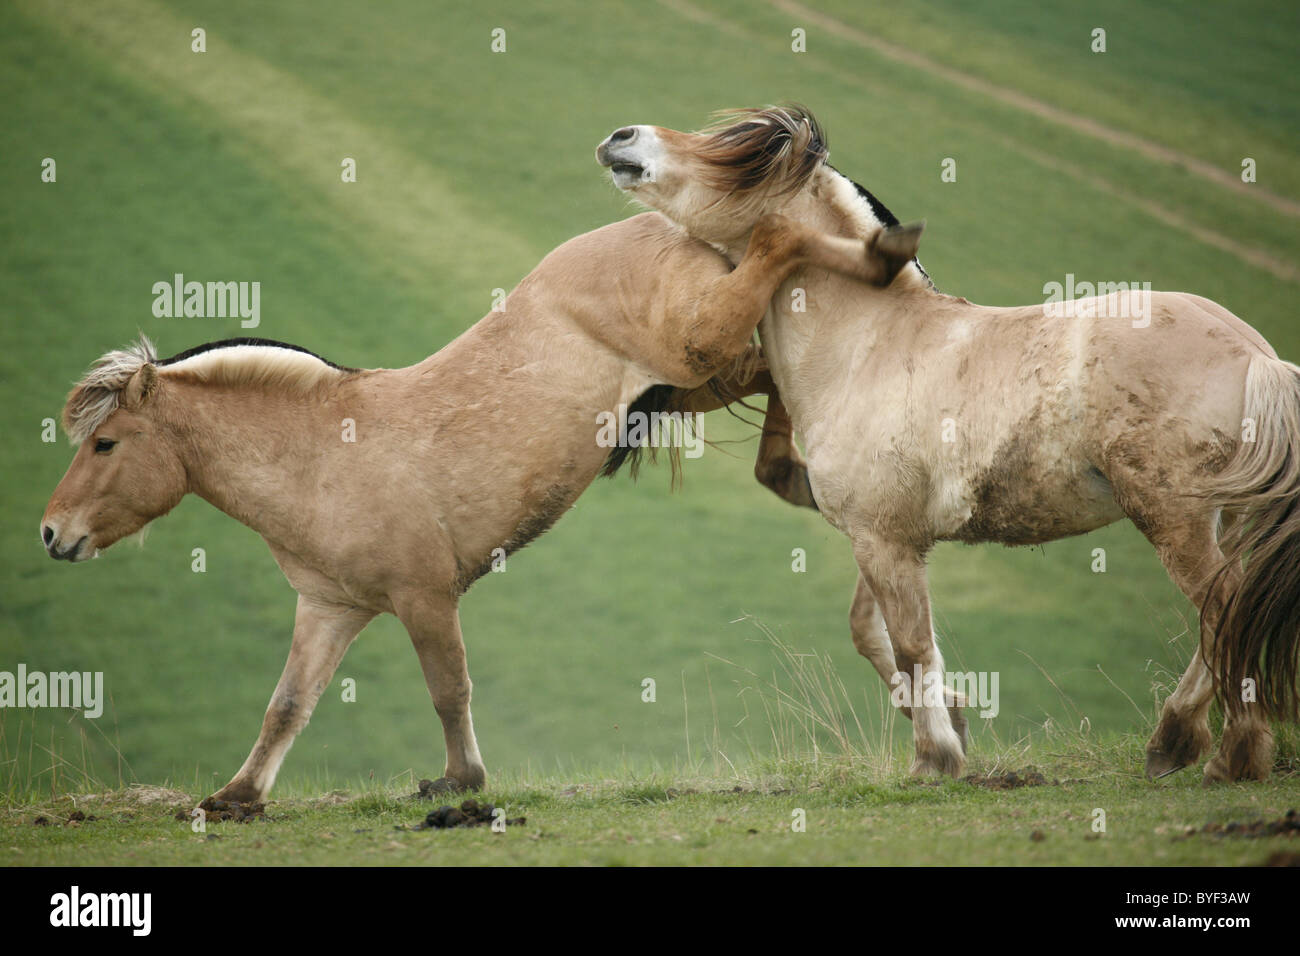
column 1221, row 770
column 442, row 785
column 1246, row 753
column 937, row 768
column 944, row 757
column 231, row 794
column 1160, row 764
column 1177, row 743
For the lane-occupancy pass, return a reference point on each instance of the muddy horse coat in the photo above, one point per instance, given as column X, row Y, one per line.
column 926, row 418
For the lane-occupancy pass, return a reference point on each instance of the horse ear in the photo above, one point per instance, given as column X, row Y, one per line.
column 141, row 386
column 892, row 248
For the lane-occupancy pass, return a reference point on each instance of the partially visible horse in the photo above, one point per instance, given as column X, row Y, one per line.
column 926, row 418
column 391, row 490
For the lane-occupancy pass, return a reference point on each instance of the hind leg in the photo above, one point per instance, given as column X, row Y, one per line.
column 1190, row 551
column 1183, row 734
column 1246, row 752
column 871, row 638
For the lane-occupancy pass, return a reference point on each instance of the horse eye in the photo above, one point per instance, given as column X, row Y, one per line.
column 104, row 445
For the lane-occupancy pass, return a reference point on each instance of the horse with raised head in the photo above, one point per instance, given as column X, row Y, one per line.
column 926, row 418
column 391, row 490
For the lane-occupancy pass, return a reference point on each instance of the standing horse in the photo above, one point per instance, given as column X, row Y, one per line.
column 926, row 418
column 391, row 490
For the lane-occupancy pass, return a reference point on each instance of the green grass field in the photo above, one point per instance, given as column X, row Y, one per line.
column 840, row 813
column 471, row 165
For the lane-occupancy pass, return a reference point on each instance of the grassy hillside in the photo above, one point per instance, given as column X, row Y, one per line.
column 471, row 166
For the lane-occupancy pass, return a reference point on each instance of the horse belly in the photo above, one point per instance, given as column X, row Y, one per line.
column 1023, row 499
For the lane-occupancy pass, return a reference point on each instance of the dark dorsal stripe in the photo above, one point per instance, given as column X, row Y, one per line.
column 231, row 343
column 881, row 212
column 878, row 208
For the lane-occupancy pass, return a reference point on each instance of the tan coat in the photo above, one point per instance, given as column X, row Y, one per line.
column 926, row 418
column 392, row 490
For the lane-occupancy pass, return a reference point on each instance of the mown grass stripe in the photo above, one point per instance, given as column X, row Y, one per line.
column 1247, row 254
column 404, row 211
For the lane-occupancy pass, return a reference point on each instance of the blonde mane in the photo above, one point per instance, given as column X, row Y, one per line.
column 774, row 150
column 231, row 363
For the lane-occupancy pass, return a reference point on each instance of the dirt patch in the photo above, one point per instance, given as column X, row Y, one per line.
column 221, row 811
column 1011, row 780
column 138, row 795
column 75, row 819
column 1282, row 858
column 1286, row 825
column 471, row 813
column 148, row 796
column 431, row 789
column 334, row 798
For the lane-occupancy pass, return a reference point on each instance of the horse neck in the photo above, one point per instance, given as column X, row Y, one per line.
column 250, row 453
column 840, row 313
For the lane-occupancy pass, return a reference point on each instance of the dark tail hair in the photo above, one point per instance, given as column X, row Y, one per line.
column 1258, row 634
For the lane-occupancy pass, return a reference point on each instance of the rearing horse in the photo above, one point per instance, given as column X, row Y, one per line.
column 926, row 418
column 390, row 490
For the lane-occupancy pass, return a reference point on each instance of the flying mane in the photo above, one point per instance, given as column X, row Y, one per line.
column 773, row 151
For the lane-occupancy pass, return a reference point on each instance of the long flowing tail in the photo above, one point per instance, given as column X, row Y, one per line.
column 1259, row 631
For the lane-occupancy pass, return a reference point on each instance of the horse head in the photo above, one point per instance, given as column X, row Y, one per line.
column 125, row 473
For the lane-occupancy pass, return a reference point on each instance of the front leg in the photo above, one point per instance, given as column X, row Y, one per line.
column 433, row 622
column 779, row 467
column 871, row 638
column 322, row 633
column 715, row 324
column 894, row 572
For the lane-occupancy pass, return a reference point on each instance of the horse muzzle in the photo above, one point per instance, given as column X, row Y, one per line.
column 622, row 153
column 80, row 549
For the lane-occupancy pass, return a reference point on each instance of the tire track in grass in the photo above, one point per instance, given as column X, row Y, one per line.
column 1084, row 125
column 400, row 211
column 1271, row 264
column 1250, row 255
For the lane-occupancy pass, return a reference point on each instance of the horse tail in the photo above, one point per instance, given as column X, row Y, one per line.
column 1259, row 631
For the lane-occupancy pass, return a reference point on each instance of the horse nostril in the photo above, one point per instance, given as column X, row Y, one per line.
column 624, row 135
column 47, row 535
